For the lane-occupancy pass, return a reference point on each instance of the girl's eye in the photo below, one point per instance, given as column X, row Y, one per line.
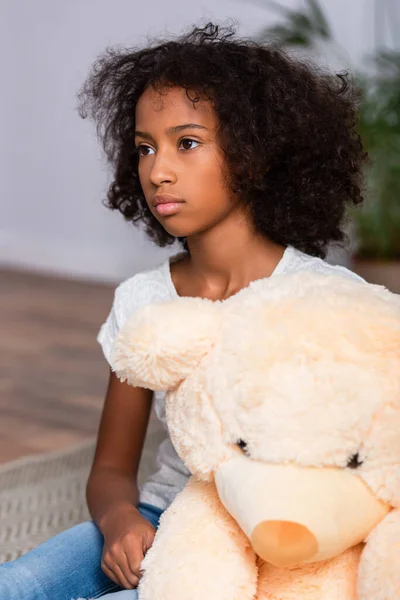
column 144, row 150
column 187, row 144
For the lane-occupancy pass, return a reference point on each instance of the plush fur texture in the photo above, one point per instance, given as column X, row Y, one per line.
column 221, row 557
column 379, row 570
column 305, row 368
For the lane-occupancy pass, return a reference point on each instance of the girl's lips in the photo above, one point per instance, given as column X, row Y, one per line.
column 168, row 208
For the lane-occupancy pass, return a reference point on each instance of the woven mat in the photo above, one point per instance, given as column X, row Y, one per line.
column 43, row 495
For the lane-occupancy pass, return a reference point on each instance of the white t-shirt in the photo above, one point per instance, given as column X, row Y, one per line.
column 155, row 285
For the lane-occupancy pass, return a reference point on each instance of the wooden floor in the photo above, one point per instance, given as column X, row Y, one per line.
column 52, row 372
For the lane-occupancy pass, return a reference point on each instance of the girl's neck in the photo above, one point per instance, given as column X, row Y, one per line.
column 226, row 258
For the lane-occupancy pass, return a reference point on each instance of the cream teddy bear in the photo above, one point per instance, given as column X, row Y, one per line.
column 284, row 403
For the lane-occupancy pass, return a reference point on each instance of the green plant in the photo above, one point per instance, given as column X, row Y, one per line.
column 299, row 27
column 377, row 222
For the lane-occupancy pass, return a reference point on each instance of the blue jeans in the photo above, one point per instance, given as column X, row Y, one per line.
column 66, row 567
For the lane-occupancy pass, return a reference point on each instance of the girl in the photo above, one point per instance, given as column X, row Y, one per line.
column 249, row 159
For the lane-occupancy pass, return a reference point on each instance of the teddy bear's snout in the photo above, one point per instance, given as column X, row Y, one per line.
column 293, row 514
column 283, row 543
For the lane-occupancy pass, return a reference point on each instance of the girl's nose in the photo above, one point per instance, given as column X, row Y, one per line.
column 162, row 170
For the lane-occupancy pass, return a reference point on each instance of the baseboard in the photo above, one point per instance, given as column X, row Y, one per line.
column 76, row 260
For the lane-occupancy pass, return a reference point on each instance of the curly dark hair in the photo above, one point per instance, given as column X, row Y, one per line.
column 287, row 129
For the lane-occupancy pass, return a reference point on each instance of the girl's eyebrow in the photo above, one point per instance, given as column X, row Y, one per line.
column 171, row 130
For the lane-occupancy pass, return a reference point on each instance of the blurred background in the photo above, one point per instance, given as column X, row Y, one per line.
column 62, row 252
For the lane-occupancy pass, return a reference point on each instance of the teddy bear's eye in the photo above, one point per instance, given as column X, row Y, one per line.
column 354, row 461
column 242, row 445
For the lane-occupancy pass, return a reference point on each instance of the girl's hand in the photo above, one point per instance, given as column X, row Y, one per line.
column 127, row 538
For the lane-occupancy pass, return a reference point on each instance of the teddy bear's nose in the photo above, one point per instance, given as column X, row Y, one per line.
column 283, row 543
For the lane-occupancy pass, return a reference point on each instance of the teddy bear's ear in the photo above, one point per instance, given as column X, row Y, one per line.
column 162, row 343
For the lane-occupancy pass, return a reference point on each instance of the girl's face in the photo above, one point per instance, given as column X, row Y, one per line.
column 181, row 163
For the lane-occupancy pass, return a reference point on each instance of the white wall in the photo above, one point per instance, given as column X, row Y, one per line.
column 52, row 174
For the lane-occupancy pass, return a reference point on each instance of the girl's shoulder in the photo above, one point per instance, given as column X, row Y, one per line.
column 299, row 261
column 146, row 287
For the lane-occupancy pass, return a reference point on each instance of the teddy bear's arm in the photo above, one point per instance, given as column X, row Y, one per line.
column 379, row 570
column 199, row 552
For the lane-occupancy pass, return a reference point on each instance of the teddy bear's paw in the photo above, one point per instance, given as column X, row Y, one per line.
column 379, row 570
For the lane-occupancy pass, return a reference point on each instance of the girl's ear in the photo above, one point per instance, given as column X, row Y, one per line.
column 162, row 343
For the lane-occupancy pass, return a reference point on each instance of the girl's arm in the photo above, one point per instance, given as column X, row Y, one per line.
column 112, row 490
column 113, row 479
